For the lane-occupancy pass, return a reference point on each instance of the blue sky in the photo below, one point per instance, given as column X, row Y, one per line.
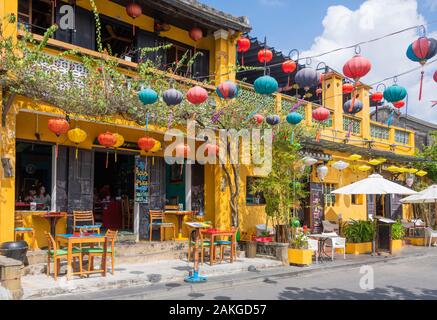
column 290, row 24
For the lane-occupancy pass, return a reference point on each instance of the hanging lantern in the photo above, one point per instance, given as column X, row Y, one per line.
column 172, row 97
column 197, row 95
column 265, row 85
column 146, row 143
column 196, row 34
column 258, row 118
column 349, row 109
column 227, row 90
column 156, row 147
column 309, row 161
column 357, row 67
column 412, row 170
column 273, row 120
column 182, row 150
column 393, row 169
column 354, row 157
column 243, row 46
column 212, row 150
column 148, row 96
column 134, row 10
column 307, row 78
column 321, row 114
column 289, row 66
column 421, row 51
column 107, row 140
column 58, row 126
column 374, row 162
column 294, row 118
column 382, row 160
column 265, row 56
column 322, row 172
column 340, row 165
column 348, row 88
column 377, row 96
column 395, row 93
column 399, row 104
column 421, row 173
column 77, row 136
column 364, row 168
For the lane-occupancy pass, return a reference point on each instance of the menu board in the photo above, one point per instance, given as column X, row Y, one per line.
column 317, row 207
column 141, row 181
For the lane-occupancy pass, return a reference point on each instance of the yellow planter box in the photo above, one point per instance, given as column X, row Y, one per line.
column 417, row 241
column 396, row 245
column 359, row 248
column 301, row 257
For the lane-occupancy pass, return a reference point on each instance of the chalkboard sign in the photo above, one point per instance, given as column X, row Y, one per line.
column 317, row 207
column 141, row 181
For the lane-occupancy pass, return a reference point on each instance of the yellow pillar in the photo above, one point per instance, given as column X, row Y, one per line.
column 363, row 96
column 225, row 56
column 333, row 98
column 7, row 139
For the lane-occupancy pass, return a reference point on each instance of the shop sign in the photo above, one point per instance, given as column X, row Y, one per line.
column 141, row 181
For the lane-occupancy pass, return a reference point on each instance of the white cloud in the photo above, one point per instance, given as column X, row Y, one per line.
column 344, row 27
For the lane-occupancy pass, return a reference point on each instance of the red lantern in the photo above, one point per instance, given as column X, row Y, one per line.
column 357, row 67
column 146, row 143
column 197, row 95
column 108, row 140
column 321, row 114
column 348, row 88
column 289, row 66
column 182, row 150
column 421, row 49
column 265, row 56
column 399, row 104
column 196, row 34
column 319, row 91
column 435, row 76
column 212, row 149
column 377, row 96
column 134, row 10
column 58, row 126
column 258, row 118
column 243, row 47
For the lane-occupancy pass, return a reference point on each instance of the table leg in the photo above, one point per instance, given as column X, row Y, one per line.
column 69, row 253
column 105, row 248
column 212, row 251
column 180, row 222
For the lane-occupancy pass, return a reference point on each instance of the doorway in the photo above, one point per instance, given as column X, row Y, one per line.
column 114, row 180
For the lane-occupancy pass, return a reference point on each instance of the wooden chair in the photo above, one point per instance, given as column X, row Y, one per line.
column 20, row 230
column 84, row 220
column 126, row 213
column 58, row 254
column 171, row 207
column 203, row 246
column 231, row 243
column 98, row 251
column 160, row 216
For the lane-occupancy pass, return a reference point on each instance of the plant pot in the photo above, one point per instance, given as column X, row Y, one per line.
column 300, row 257
column 251, row 249
column 417, row 241
column 15, row 250
column 359, row 248
column 396, row 245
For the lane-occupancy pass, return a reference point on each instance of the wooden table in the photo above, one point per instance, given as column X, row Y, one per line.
column 218, row 233
column 91, row 239
column 53, row 218
column 180, row 215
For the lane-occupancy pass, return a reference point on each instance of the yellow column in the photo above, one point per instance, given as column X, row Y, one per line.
column 222, row 56
column 333, row 97
column 363, row 96
column 7, row 139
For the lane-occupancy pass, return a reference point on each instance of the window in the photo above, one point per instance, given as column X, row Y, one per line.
column 253, row 198
column 352, row 124
column 175, row 55
column 357, row 199
column 36, row 15
column 33, row 176
column 329, row 197
column 402, row 137
column 379, row 132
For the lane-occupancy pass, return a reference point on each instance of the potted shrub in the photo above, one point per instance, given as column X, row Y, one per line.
column 397, row 234
column 359, row 236
column 298, row 253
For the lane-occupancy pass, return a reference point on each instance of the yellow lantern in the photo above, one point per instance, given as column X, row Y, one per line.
column 403, row 170
column 382, row 160
column 119, row 141
column 355, row 157
column 156, row 147
column 393, row 169
column 374, row 162
column 412, row 170
column 421, row 173
column 77, row 136
column 364, row 168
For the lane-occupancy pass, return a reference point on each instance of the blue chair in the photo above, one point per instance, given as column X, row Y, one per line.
column 20, row 230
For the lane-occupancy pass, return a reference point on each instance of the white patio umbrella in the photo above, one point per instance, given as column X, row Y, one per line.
column 374, row 184
column 428, row 195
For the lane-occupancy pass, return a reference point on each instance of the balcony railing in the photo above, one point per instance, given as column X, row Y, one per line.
column 379, row 132
column 352, row 124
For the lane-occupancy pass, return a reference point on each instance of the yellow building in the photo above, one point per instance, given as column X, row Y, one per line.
column 93, row 180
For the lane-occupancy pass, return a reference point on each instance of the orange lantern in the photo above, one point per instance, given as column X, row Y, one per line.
column 348, row 88
column 134, row 10
column 58, row 126
column 265, row 56
column 182, row 150
column 212, row 149
column 146, row 143
column 107, row 140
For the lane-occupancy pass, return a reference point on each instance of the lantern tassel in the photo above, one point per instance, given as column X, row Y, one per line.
column 77, row 152
column 115, row 157
column 107, row 159
column 353, row 101
column 292, row 136
column 242, row 59
column 57, row 150
column 421, row 85
column 288, row 81
column 153, row 161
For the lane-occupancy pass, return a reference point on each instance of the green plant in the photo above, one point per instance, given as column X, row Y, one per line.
column 359, row 231
column 397, row 231
column 300, row 241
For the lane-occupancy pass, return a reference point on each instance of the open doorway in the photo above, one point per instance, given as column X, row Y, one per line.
column 113, row 203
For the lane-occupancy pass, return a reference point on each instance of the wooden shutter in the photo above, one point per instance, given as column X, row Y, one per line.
column 201, row 66
column 146, row 39
column 85, row 33
column 62, row 179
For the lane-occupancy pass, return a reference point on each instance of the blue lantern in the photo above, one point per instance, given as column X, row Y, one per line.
column 266, row 85
column 273, row 120
column 307, row 78
column 395, row 93
column 294, row 118
column 227, row 90
column 148, row 96
column 357, row 107
column 172, row 97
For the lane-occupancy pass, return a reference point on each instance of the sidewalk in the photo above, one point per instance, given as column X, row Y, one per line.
column 154, row 280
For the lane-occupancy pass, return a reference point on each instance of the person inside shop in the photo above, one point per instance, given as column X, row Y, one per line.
column 43, row 198
column 31, row 195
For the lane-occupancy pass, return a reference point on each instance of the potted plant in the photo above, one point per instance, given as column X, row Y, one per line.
column 298, row 253
column 397, row 234
column 359, row 236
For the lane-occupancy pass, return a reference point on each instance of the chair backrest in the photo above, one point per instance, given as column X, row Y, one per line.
column 156, row 215
column 428, row 231
column 313, row 244
column 171, row 207
column 82, row 217
column 19, row 220
column 112, row 237
column 339, row 242
column 51, row 242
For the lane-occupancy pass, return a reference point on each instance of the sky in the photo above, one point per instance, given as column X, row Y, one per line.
column 316, row 26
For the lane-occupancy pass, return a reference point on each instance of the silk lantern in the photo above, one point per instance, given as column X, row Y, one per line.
column 348, row 88
column 273, row 120
column 340, row 166
column 307, row 78
column 134, row 10
column 243, row 46
column 146, row 143
column 309, row 161
column 258, row 118
column 77, row 136
column 395, row 93
column 352, row 109
column 265, row 85
column 196, row 34
column 227, row 90
column 288, row 67
column 357, row 67
column 155, row 148
column 377, row 96
column 119, row 141
column 148, row 96
column 197, row 95
column 58, row 126
column 265, row 56
column 435, row 76
column 399, row 104
column 294, row 118
column 364, row 168
column 354, row 157
column 421, row 173
column 107, row 140
column 320, row 114
column 172, row 97
column 322, row 172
